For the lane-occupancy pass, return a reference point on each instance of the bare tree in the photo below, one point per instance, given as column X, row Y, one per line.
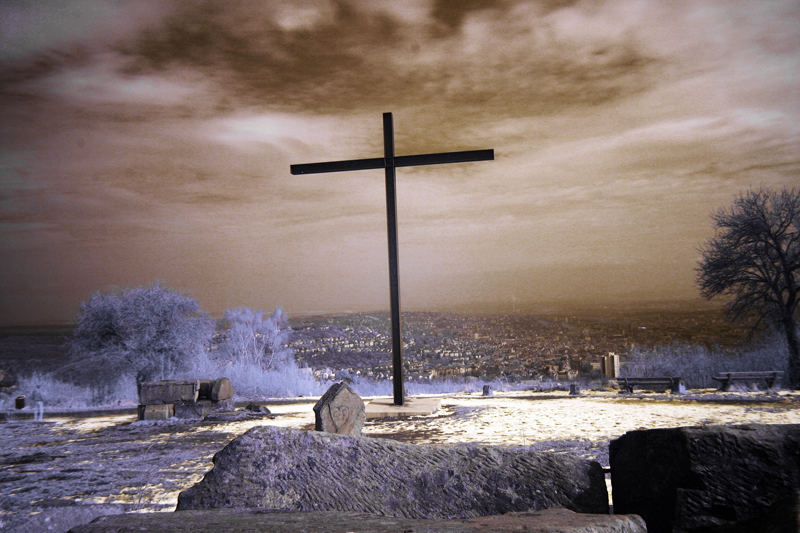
column 754, row 260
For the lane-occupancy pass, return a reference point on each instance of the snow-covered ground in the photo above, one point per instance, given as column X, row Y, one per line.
column 69, row 468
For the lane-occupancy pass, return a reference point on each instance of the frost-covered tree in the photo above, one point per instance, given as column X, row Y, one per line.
column 149, row 332
column 250, row 337
column 754, row 260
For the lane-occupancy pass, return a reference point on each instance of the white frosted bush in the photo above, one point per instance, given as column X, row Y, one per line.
column 149, row 332
column 250, row 351
column 697, row 364
column 250, row 338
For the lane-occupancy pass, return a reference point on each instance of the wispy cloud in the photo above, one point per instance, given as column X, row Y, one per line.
column 153, row 139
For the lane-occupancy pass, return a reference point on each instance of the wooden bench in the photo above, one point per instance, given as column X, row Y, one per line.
column 658, row 384
column 726, row 379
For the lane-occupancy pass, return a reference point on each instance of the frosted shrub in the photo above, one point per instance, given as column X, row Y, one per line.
column 251, row 352
column 148, row 332
column 696, row 364
column 54, row 392
column 250, row 338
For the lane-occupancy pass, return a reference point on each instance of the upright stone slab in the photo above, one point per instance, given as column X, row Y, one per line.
column 713, row 478
column 340, row 410
column 168, row 391
column 284, row 469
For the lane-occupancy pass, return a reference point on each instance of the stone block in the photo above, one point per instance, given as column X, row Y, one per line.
column 712, row 478
column 168, row 391
column 197, row 409
column 340, row 410
column 224, row 520
column 222, row 390
column 161, row 411
column 274, row 468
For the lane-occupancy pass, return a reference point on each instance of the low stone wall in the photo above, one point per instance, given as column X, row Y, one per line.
column 713, row 478
column 219, row 520
column 292, row 470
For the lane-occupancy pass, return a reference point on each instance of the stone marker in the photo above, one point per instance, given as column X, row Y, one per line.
column 168, row 391
column 284, row 469
column 712, row 478
column 487, row 390
column 225, row 520
column 340, row 410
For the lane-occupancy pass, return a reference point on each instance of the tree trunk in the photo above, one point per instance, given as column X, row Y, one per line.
column 790, row 329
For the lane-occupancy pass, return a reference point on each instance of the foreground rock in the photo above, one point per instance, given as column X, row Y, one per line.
column 293, row 470
column 713, row 478
column 550, row 520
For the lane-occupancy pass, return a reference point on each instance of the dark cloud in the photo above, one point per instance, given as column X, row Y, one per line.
column 357, row 58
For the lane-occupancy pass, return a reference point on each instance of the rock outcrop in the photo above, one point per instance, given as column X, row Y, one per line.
column 292, row 470
column 218, row 520
column 713, row 478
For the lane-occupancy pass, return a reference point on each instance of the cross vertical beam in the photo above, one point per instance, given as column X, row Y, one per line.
column 394, row 281
column 389, row 162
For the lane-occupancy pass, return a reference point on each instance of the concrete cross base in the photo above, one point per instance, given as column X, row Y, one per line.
column 385, row 407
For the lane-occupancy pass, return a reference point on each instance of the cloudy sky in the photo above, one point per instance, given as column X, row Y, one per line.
column 145, row 141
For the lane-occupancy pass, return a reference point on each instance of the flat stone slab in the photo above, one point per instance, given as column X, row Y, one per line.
column 213, row 520
column 385, row 408
column 168, row 391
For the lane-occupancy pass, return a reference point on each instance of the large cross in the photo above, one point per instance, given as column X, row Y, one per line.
column 390, row 162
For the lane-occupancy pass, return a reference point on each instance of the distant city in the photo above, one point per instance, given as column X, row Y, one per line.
column 442, row 345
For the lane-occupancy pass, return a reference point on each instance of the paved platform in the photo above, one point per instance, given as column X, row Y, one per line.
column 385, row 407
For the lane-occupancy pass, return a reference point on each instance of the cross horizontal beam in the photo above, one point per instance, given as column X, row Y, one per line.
column 399, row 161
